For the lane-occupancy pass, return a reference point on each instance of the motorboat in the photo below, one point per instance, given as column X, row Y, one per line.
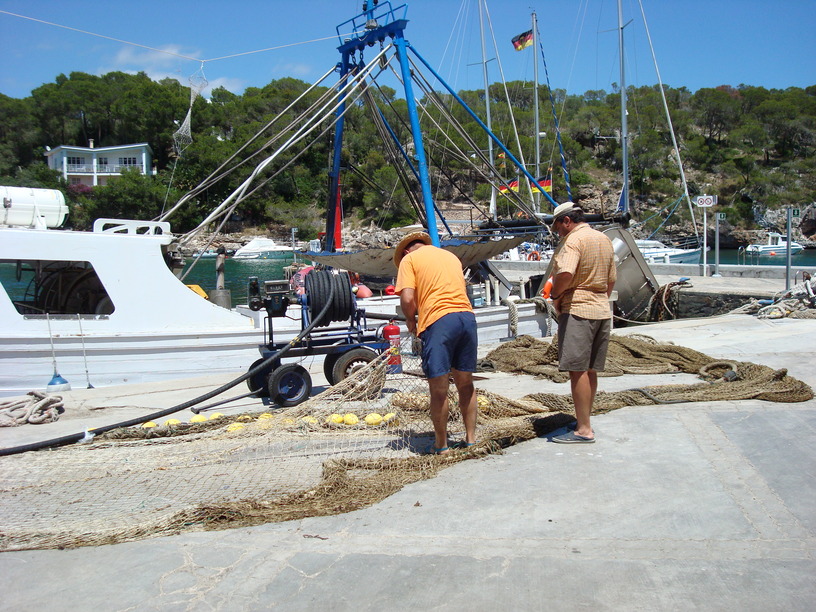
column 263, row 248
column 103, row 307
column 208, row 254
column 654, row 251
column 777, row 245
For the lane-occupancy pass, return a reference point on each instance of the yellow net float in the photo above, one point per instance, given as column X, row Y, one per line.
column 373, row 419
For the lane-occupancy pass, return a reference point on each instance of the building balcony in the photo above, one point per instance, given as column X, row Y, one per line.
column 109, row 169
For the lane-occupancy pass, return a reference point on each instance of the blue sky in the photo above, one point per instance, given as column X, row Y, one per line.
column 697, row 43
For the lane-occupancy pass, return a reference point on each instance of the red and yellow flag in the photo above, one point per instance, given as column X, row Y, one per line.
column 545, row 183
column 522, row 41
column 511, row 185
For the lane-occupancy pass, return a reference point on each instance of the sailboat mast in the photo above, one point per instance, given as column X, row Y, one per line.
column 537, row 173
column 493, row 211
column 624, row 131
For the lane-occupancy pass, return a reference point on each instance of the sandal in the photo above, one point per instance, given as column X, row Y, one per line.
column 432, row 450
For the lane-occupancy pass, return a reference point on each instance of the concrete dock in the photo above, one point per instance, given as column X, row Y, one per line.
column 698, row 506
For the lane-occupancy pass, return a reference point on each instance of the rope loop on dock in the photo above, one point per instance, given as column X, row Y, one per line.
column 37, row 408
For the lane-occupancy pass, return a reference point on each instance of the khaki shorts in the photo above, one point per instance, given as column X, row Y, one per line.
column 582, row 343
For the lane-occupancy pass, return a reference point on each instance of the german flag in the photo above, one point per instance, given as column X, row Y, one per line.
column 545, row 183
column 511, row 185
column 522, row 41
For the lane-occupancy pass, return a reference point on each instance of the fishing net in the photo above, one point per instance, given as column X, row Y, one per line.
column 183, row 136
column 347, row 448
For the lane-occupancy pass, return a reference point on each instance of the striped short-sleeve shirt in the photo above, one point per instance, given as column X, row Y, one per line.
column 588, row 255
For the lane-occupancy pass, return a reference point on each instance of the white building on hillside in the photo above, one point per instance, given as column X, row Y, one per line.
column 93, row 166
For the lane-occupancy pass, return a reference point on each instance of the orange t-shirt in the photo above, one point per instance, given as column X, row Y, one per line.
column 438, row 281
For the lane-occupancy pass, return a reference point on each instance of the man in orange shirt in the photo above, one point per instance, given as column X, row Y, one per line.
column 431, row 284
column 584, row 275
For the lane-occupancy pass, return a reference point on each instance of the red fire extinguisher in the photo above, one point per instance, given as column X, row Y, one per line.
column 391, row 333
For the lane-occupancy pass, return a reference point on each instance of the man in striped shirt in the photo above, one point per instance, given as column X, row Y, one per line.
column 584, row 275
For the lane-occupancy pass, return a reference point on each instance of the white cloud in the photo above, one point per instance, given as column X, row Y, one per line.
column 236, row 86
column 293, row 69
column 157, row 65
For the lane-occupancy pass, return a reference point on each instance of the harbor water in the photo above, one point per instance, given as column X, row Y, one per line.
column 236, row 272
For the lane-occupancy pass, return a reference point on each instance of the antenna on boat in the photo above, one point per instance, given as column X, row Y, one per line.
column 57, row 383
column 623, row 205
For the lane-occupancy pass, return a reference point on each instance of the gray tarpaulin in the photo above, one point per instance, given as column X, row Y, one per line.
column 380, row 262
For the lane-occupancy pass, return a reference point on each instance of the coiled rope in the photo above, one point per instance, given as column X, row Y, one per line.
column 38, row 408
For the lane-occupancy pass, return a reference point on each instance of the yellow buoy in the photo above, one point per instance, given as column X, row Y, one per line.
column 265, row 416
column 149, row 424
column 215, row 415
column 335, row 419
column 235, row 426
column 391, row 418
column 351, row 419
column 199, row 418
column 373, row 419
column 244, row 418
column 172, row 422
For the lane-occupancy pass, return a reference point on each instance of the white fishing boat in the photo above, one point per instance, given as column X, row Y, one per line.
column 777, row 245
column 263, row 248
column 103, row 308
column 654, row 251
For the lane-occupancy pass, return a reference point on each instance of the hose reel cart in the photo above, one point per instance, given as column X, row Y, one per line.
column 346, row 347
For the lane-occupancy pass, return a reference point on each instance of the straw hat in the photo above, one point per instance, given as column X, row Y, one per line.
column 408, row 239
column 563, row 209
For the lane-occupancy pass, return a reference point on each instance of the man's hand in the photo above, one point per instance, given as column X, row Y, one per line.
column 409, row 308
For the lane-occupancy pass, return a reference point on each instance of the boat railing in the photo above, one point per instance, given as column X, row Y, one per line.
column 747, row 258
column 131, row 226
column 358, row 26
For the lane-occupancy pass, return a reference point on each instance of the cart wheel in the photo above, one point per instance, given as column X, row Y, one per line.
column 328, row 367
column 260, row 382
column 290, row 384
column 350, row 361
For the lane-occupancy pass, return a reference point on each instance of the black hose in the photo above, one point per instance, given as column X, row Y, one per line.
column 226, row 401
column 201, row 398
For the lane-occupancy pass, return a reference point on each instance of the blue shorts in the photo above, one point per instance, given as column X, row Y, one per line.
column 449, row 343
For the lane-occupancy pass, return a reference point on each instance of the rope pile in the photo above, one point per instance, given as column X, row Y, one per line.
column 542, row 306
column 38, row 408
column 345, row 449
column 664, row 302
column 798, row 302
